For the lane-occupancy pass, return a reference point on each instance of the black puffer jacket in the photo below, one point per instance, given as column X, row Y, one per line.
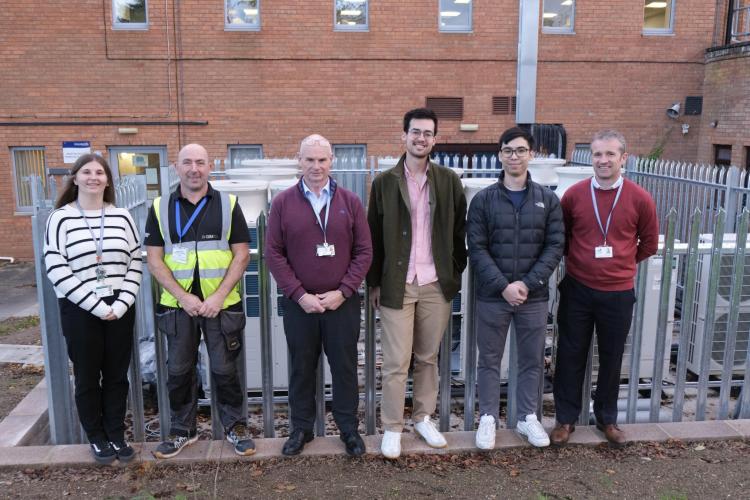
column 506, row 245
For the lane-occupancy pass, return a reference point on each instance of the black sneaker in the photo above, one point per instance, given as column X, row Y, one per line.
column 174, row 444
column 240, row 439
column 125, row 452
column 103, row 452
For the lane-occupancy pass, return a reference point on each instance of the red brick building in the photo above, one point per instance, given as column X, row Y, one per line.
column 138, row 79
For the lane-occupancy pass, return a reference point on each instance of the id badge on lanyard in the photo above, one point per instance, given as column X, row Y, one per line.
column 325, row 249
column 101, row 289
column 180, row 251
column 604, row 251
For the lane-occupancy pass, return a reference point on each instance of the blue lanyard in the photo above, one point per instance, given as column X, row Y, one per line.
column 177, row 219
column 100, row 242
column 604, row 230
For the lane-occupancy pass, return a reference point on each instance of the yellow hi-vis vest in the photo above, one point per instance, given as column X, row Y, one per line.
column 213, row 257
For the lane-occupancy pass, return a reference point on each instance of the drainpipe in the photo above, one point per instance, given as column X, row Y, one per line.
column 528, row 44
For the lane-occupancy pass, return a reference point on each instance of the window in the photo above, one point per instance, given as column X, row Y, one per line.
column 658, row 17
column 557, row 16
column 242, row 15
column 723, row 154
column 455, row 16
column 350, row 156
column 350, row 15
column 129, row 14
column 747, row 158
column 27, row 161
column 239, row 153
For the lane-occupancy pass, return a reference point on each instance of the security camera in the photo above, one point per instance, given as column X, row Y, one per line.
column 674, row 111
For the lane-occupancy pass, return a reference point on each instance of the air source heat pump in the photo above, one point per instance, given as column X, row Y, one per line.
column 721, row 318
column 650, row 319
column 279, row 352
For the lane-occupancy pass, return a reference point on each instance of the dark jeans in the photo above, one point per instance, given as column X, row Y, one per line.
column 100, row 351
column 337, row 333
column 581, row 309
column 224, row 340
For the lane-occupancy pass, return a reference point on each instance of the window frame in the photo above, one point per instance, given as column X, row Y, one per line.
column 661, row 31
column 463, row 29
column 558, row 30
column 231, row 148
column 242, row 27
column 25, row 209
column 117, row 25
column 349, row 27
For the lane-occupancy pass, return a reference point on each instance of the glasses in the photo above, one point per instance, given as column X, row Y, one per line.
column 520, row 152
column 427, row 134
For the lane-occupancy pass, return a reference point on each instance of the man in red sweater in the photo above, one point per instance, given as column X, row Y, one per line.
column 610, row 226
column 318, row 249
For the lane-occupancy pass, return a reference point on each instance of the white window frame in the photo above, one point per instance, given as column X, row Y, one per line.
column 338, row 148
column 117, row 25
column 457, row 29
column 561, row 29
column 662, row 31
column 239, row 147
column 25, row 209
column 352, row 27
column 241, row 27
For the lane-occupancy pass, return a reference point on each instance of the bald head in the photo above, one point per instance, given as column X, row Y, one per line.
column 193, row 168
column 194, row 151
column 315, row 140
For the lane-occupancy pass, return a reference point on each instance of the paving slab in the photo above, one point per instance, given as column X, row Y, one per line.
column 18, row 293
column 741, row 426
column 711, row 429
column 23, row 354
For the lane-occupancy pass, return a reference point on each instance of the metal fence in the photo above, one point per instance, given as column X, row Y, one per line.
column 708, row 334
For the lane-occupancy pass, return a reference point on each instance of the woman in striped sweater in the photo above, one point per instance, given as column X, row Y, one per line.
column 93, row 256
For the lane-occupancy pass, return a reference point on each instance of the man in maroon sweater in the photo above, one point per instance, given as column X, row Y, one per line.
column 610, row 226
column 318, row 249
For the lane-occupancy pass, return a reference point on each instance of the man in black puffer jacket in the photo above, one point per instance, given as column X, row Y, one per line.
column 516, row 238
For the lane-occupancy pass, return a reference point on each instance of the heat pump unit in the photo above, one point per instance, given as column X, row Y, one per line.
column 650, row 319
column 721, row 317
column 279, row 352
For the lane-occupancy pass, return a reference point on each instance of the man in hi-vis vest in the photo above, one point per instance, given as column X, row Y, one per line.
column 197, row 247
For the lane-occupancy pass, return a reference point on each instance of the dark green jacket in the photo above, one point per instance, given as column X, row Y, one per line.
column 388, row 214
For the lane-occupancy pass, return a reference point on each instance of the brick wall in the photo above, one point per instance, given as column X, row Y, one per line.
column 62, row 62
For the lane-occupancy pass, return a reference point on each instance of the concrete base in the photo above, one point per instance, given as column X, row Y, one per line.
column 28, row 422
column 458, row 442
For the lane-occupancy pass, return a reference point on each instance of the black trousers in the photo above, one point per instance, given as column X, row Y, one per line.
column 100, row 351
column 581, row 309
column 337, row 333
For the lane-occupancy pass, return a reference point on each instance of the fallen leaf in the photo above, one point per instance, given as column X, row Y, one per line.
column 700, row 447
column 515, row 472
column 609, row 471
column 256, row 473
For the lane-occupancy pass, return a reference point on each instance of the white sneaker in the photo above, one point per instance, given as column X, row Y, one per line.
column 390, row 446
column 533, row 430
column 427, row 431
column 485, row 437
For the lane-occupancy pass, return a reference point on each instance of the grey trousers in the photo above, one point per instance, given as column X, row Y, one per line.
column 493, row 321
column 224, row 339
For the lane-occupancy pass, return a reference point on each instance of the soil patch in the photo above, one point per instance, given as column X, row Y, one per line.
column 20, row 331
column 672, row 470
column 15, row 382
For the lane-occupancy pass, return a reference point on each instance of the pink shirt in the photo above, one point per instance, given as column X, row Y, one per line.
column 421, row 264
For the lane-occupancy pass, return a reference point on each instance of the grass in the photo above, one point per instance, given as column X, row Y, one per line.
column 12, row 325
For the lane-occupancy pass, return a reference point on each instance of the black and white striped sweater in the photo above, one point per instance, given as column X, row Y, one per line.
column 70, row 257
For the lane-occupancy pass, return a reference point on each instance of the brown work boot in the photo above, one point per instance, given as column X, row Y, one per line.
column 613, row 433
column 561, row 433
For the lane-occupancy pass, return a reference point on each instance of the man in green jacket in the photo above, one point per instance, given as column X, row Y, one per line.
column 417, row 217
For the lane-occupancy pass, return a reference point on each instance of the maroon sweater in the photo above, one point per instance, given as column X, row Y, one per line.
column 633, row 234
column 293, row 235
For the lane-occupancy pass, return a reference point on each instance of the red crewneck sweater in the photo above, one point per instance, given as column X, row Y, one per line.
column 633, row 234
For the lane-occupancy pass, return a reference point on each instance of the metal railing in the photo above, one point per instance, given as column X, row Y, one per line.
column 696, row 332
